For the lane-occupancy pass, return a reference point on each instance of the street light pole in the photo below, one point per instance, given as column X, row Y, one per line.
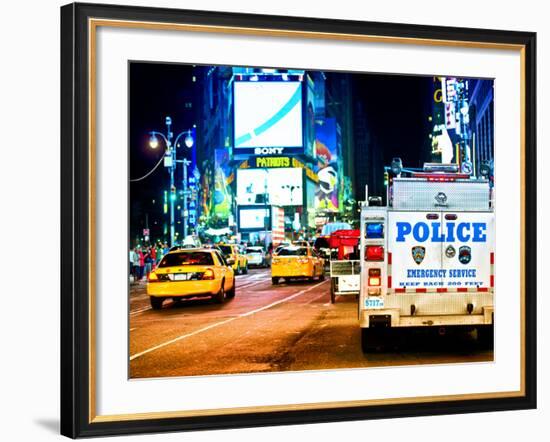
column 170, row 163
column 172, row 152
column 185, row 164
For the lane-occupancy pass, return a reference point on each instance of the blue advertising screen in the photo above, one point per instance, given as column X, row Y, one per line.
column 268, row 114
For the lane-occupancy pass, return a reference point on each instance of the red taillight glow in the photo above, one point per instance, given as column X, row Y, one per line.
column 374, row 253
column 374, row 277
column 208, row 274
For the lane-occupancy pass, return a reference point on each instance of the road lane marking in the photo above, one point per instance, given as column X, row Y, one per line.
column 226, row 321
column 140, row 311
column 249, row 285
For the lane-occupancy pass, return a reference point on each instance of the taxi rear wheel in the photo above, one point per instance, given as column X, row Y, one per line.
column 220, row 296
column 231, row 293
column 156, row 303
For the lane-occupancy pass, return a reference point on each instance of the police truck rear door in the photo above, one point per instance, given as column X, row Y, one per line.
column 468, row 256
column 416, row 259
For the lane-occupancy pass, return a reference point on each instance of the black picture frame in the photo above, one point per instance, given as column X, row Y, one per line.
column 77, row 404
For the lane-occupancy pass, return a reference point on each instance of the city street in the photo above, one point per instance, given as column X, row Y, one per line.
column 268, row 328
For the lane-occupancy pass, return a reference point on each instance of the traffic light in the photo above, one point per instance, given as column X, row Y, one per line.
column 173, row 195
column 165, row 206
column 396, row 166
column 386, row 178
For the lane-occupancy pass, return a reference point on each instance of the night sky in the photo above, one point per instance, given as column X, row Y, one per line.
column 156, row 91
column 397, row 109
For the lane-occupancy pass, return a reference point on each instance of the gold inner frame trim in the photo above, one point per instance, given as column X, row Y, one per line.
column 93, row 24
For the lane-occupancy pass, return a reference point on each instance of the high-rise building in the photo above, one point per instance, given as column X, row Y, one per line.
column 482, row 121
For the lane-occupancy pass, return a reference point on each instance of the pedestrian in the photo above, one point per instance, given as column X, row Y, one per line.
column 159, row 253
column 153, row 256
column 135, row 264
column 141, row 263
column 148, row 261
column 165, row 249
column 132, row 258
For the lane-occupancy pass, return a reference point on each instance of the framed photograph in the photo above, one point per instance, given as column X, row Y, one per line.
column 274, row 220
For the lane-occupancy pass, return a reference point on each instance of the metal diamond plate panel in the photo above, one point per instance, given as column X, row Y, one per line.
column 414, row 194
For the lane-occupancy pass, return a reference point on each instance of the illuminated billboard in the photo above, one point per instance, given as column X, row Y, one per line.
column 267, row 114
column 254, row 218
column 326, row 149
column 279, row 187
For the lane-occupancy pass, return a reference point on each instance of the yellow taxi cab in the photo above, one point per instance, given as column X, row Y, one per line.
column 297, row 262
column 187, row 273
column 235, row 257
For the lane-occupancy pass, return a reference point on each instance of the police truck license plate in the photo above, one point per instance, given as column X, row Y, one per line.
column 374, row 303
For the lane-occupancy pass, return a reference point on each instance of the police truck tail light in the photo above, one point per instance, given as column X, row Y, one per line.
column 208, row 274
column 152, row 277
column 374, row 277
column 375, row 230
column 374, row 253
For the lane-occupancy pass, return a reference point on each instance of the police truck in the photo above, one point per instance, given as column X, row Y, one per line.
column 427, row 257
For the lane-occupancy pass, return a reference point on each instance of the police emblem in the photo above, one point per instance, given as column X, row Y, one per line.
column 418, row 253
column 441, row 199
column 450, row 252
column 465, row 254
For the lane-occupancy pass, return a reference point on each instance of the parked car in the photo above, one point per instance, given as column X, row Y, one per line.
column 256, row 256
column 293, row 262
column 188, row 273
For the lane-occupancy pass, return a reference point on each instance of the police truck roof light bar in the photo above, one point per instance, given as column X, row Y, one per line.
column 441, row 168
column 441, row 177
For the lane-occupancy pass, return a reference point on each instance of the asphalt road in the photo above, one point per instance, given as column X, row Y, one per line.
column 266, row 328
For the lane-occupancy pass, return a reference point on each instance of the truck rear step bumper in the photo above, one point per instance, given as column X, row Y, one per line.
column 398, row 320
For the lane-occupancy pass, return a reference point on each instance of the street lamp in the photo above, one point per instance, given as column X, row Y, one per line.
column 170, row 163
column 189, row 140
column 153, row 142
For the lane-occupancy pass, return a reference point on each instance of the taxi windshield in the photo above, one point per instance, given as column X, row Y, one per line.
column 187, row 258
column 226, row 250
column 299, row 251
